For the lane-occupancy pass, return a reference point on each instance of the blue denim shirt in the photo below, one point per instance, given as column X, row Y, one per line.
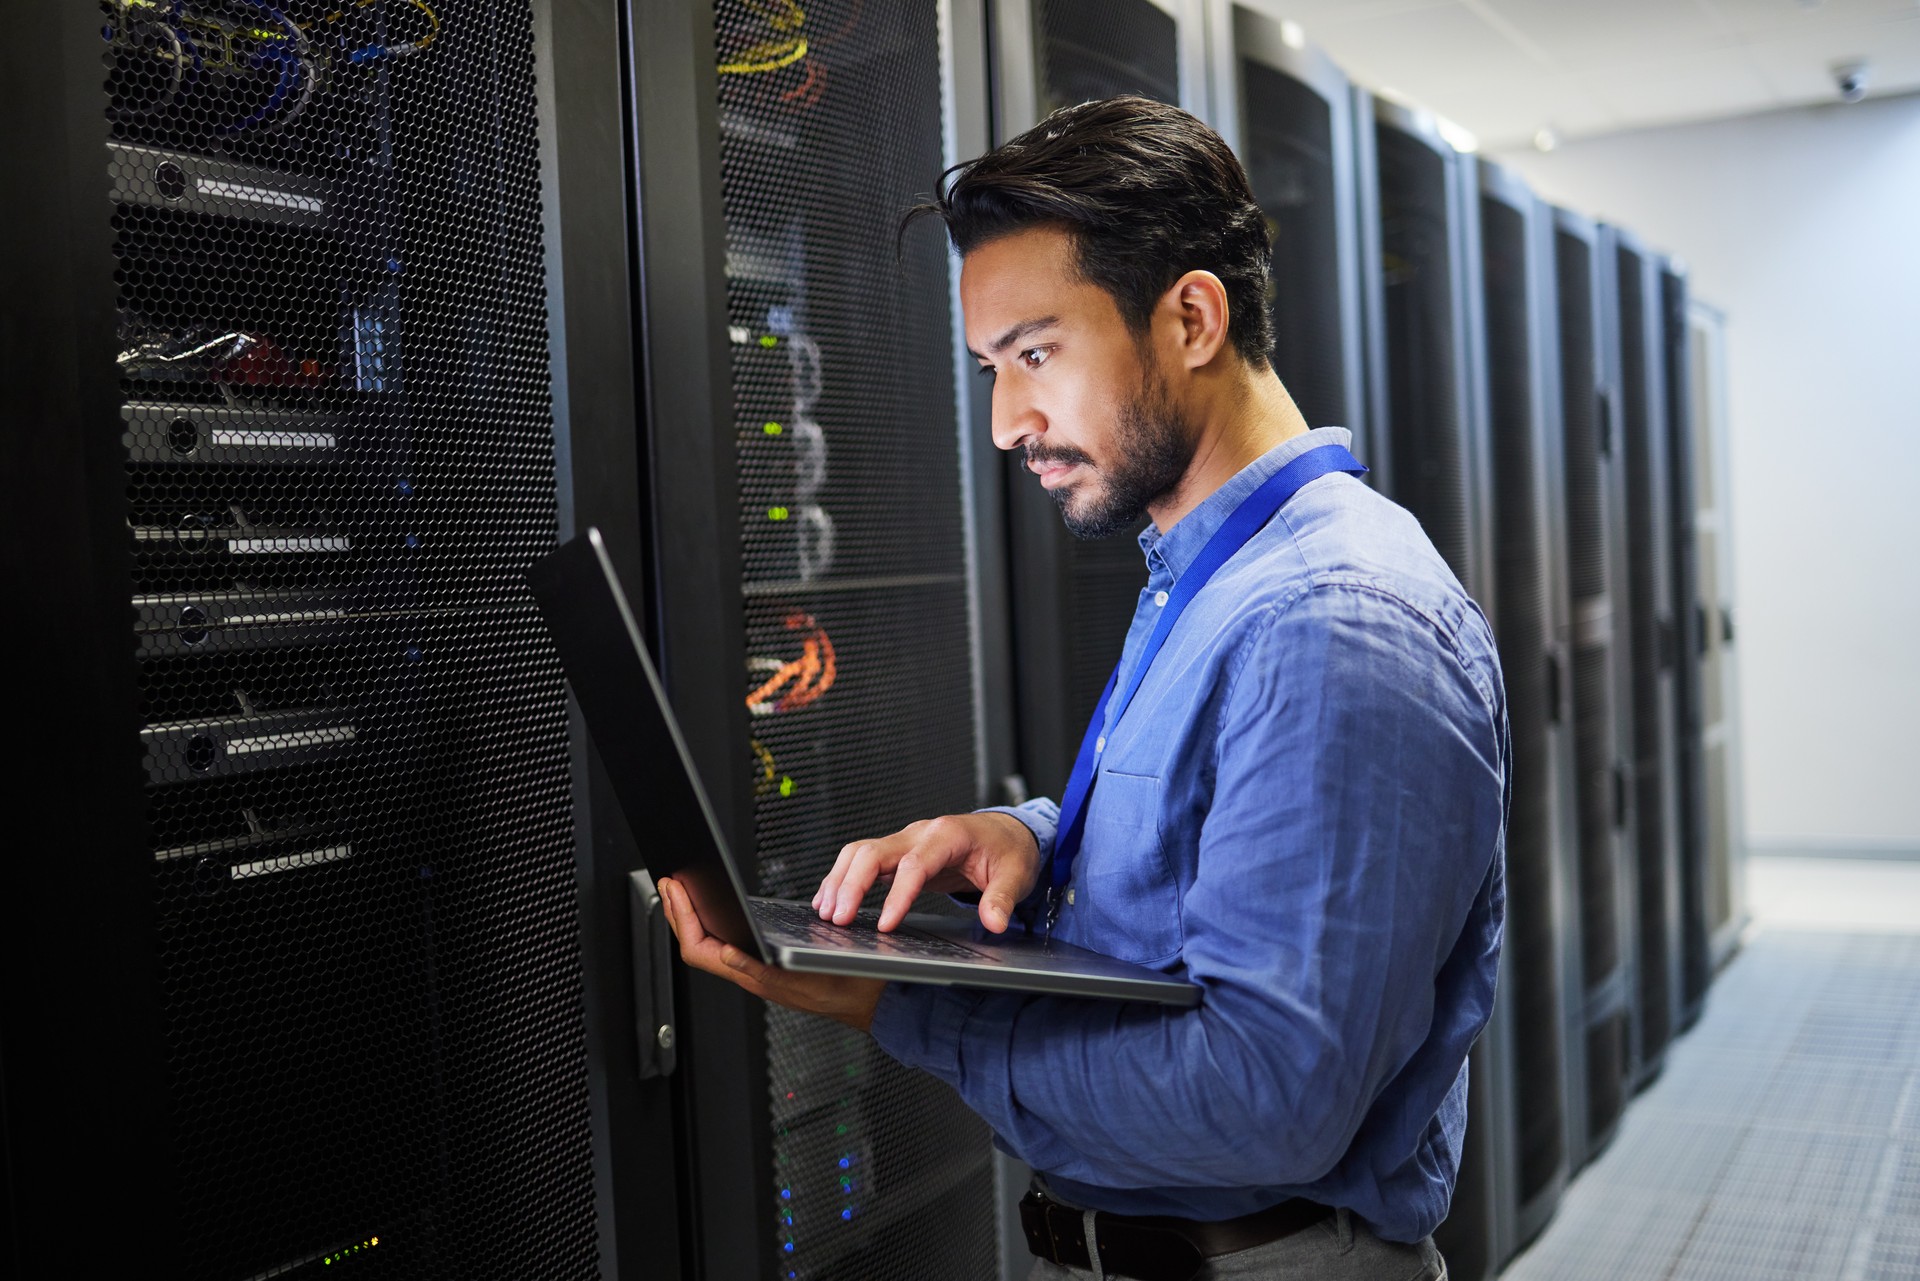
column 1304, row 812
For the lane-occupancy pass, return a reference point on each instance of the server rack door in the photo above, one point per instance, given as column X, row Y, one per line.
column 1611, row 1035
column 327, row 444
column 597, row 397
column 1290, row 119
column 1690, row 819
column 1524, row 624
column 1648, row 540
column 1430, row 432
column 1426, row 435
column 82, row 1061
column 826, row 466
column 1072, row 599
column 1719, row 687
column 1561, row 647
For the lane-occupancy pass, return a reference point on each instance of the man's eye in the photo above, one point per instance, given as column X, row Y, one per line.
column 1034, row 357
column 985, row 371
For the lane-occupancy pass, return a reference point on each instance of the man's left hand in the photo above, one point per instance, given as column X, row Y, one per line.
column 847, row 1000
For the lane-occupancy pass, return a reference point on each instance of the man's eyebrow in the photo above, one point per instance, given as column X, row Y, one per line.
column 1015, row 334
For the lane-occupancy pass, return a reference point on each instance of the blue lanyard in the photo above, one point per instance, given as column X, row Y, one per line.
column 1246, row 520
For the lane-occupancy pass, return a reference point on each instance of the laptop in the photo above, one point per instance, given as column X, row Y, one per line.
column 662, row 798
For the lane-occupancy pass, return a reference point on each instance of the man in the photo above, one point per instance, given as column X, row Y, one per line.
column 1301, row 808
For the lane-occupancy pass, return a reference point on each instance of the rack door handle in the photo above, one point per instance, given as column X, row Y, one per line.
column 652, row 976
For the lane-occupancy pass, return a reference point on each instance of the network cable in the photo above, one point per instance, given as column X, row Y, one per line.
column 803, row 679
column 374, row 52
column 198, row 44
column 785, row 49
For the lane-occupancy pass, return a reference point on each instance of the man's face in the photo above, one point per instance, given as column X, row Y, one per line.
column 1073, row 386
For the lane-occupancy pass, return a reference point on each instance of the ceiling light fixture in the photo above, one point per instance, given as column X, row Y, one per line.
column 1545, row 138
column 1460, row 139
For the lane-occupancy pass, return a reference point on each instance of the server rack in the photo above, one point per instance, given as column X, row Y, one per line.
column 304, row 983
column 1287, row 111
column 1719, row 663
column 1646, row 525
column 1072, row 599
column 1601, row 711
column 1689, row 794
column 1530, row 625
column 1430, row 455
column 814, row 582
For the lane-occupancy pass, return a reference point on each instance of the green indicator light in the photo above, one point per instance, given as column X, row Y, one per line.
column 768, row 340
column 776, row 513
column 786, row 785
column 853, row 1070
column 840, row 1129
column 772, row 429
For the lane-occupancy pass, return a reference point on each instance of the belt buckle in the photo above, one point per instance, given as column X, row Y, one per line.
column 1053, row 1234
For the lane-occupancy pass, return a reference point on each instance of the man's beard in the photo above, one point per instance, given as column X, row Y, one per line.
column 1154, row 446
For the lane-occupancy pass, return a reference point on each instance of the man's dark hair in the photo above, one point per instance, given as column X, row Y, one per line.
column 1148, row 193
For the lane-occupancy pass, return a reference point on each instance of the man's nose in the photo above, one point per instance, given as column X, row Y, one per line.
column 1015, row 419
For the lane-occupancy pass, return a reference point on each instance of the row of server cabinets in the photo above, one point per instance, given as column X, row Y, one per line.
column 324, row 320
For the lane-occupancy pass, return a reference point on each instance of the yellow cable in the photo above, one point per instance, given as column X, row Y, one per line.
column 777, row 54
column 433, row 20
column 771, row 55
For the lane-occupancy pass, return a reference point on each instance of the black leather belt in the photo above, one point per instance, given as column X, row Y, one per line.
column 1151, row 1247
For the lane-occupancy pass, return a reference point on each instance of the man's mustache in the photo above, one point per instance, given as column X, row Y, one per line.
column 1055, row 457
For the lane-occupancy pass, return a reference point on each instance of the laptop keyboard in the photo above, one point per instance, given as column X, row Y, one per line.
column 864, row 933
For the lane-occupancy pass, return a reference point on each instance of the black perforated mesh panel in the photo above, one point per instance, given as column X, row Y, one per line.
column 1099, row 49
column 1103, row 48
column 1522, row 623
column 1288, row 152
column 1649, row 615
column 1606, row 1075
column 339, row 457
column 1424, row 430
column 1689, row 712
column 859, row 652
column 1593, row 691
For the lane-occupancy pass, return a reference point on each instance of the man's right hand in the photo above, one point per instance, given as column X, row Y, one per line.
column 994, row 853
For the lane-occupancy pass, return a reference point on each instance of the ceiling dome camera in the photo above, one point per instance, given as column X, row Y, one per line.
column 1850, row 78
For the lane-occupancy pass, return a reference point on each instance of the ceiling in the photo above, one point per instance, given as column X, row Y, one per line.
column 1507, row 69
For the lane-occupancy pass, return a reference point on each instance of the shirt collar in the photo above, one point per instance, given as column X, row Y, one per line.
column 1170, row 553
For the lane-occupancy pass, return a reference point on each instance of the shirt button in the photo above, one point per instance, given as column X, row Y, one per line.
column 1159, row 598
column 1069, row 894
column 1100, row 744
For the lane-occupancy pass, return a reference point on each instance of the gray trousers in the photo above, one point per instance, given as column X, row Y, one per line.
column 1336, row 1249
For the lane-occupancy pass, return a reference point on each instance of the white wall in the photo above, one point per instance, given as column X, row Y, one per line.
column 1804, row 226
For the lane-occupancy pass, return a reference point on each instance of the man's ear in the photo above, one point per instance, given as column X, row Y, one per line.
column 1196, row 304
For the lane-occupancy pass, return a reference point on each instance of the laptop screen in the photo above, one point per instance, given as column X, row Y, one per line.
column 627, row 715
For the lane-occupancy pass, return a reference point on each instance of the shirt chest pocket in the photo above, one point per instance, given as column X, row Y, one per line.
column 1124, row 889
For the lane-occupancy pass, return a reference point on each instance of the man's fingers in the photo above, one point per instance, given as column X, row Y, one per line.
column 909, row 876
column 1004, row 887
column 829, row 890
column 853, row 887
column 703, row 951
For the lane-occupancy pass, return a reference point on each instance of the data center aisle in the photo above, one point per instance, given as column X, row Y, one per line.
column 1783, row 1139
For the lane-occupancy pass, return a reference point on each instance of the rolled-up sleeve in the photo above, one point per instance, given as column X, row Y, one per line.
column 1357, row 812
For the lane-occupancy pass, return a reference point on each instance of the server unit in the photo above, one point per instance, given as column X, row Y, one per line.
column 1531, row 625
column 1430, row 455
column 1689, row 794
column 1647, row 526
column 302, row 982
column 813, row 580
column 1594, row 586
column 1287, row 111
column 1072, row 599
column 1719, row 685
